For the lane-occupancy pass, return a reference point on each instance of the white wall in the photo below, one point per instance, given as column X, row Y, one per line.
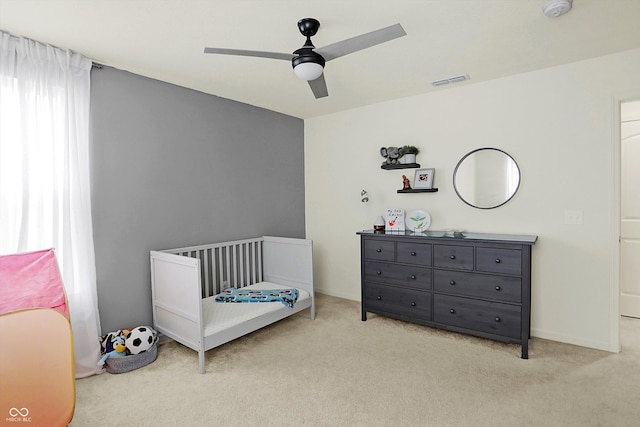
column 558, row 124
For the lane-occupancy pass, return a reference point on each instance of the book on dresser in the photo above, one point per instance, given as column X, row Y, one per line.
column 473, row 283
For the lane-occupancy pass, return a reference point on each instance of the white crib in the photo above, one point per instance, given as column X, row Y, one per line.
column 185, row 280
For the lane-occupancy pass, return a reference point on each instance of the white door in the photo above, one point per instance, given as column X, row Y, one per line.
column 630, row 210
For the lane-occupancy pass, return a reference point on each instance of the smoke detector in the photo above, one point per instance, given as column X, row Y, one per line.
column 555, row 8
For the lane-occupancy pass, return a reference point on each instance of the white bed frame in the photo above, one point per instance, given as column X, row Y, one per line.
column 182, row 277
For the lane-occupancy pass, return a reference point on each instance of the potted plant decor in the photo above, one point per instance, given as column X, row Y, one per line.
column 408, row 154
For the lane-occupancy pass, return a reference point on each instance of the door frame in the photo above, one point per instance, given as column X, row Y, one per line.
column 614, row 226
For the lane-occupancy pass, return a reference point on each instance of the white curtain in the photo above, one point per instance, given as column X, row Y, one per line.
column 45, row 199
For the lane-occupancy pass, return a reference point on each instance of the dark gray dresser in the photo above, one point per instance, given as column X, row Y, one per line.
column 474, row 283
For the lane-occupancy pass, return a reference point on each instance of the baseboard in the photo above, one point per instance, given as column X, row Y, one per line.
column 568, row 339
column 338, row 294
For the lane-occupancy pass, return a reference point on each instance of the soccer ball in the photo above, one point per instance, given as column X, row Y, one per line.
column 140, row 339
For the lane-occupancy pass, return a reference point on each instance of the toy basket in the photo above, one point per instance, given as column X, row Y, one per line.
column 120, row 365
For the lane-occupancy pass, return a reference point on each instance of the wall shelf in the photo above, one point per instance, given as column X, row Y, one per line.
column 419, row 190
column 401, row 166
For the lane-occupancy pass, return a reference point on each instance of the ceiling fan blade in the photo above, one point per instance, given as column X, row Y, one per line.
column 363, row 41
column 257, row 53
column 319, row 87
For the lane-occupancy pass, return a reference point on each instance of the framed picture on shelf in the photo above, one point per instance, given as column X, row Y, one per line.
column 424, row 178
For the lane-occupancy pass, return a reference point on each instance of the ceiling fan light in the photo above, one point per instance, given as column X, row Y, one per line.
column 308, row 70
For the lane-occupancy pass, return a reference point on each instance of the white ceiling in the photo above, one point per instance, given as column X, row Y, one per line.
column 164, row 40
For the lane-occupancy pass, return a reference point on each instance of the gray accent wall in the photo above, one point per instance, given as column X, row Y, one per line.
column 174, row 167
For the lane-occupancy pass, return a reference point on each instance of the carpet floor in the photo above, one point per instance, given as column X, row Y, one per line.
column 340, row 371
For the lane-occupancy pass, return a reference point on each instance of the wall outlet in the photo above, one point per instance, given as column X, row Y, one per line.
column 573, row 217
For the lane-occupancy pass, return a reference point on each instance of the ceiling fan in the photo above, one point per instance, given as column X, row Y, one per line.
column 308, row 62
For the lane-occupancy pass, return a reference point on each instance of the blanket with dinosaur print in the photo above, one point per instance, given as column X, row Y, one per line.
column 286, row 296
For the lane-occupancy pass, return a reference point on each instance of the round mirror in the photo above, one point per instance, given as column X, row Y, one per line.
column 486, row 178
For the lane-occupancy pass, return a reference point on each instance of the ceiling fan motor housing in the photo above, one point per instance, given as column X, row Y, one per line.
column 307, row 55
column 308, row 26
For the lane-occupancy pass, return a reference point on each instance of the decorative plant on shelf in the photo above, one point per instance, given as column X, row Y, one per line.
column 408, row 154
column 409, row 149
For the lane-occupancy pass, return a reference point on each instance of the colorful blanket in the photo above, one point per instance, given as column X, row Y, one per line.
column 287, row 296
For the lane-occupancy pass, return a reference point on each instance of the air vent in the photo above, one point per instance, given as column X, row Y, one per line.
column 454, row 79
column 440, row 82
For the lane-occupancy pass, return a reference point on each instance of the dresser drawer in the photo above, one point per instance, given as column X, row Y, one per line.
column 414, row 253
column 379, row 249
column 449, row 256
column 400, row 301
column 484, row 316
column 478, row 285
column 406, row 275
column 505, row 261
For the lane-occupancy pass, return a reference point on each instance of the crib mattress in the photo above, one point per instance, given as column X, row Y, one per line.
column 219, row 316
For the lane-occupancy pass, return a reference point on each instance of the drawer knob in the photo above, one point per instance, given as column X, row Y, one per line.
column 413, row 254
column 497, row 319
column 452, row 311
column 413, row 277
column 498, row 288
column 378, row 250
column 413, row 304
column 379, row 273
column 379, row 297
column 497, row 260
column 452, row 257
column 453, row 282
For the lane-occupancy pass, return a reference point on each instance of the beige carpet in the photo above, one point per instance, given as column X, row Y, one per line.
column 340, row 371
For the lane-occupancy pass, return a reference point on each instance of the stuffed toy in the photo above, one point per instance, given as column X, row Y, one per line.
column 119, row 350
column 391, row 154
column 109, row 339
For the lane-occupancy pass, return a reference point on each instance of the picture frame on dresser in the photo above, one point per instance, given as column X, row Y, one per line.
column 424, row 178
column 473, row 283
column 394, row 220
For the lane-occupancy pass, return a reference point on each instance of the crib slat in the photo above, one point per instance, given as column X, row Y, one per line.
column 207, row 283
column 239, row 265
column 255, row 261
column 237, row 270
column 249, row 264
column 222, row 270
column 260, row 261
column 199, row 257
column 231, row 262
column 221, row 284
column 230, row 274
column 246, row 265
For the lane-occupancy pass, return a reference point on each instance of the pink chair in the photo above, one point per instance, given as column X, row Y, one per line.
column 36, row 354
